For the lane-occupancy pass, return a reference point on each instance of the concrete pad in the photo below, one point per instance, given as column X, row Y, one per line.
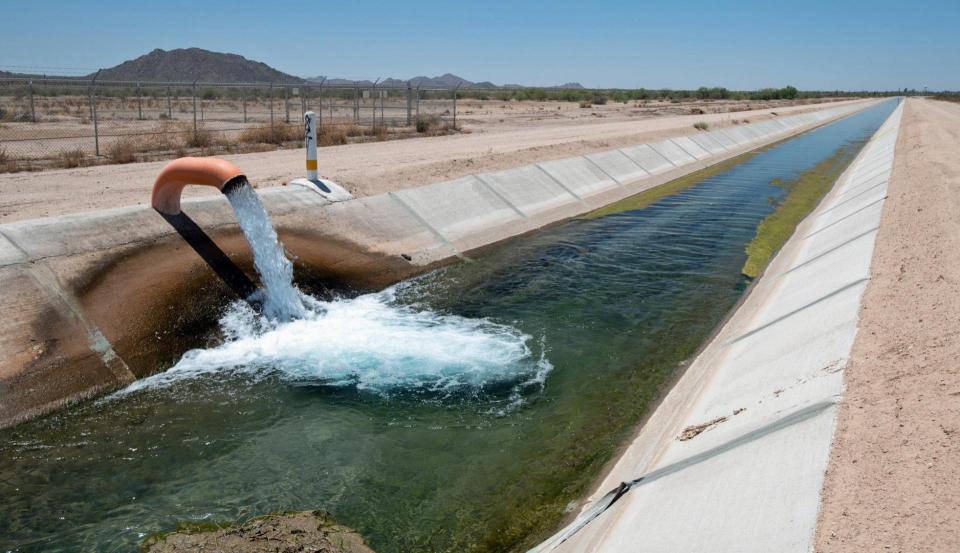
column 648, row 158
column 616, row 164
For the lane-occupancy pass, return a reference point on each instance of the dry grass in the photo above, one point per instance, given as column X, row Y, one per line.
column 278, row 134
column 123, row 150
column 701, row 126
column 71, row 158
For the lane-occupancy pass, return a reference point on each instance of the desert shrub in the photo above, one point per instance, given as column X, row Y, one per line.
column 276, row 134
column 425, row 123
column 700, row 125
column 599, row 99
column 163, row 116
column 332, row 136
column 71, row 158
column 123, row 150
column 585, row 104
column 380, row 132
column 200, row 138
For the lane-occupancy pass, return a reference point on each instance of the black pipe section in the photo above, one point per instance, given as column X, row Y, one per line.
column 208, row 250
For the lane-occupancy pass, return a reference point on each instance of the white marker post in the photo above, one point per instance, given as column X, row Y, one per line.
column 326, row 188
column 310, row 142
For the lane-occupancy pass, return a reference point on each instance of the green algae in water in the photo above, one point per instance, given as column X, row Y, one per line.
column 803, row 195
column 614, row 303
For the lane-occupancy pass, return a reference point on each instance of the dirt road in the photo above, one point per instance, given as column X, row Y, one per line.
column 365, row 169
column 893, row 482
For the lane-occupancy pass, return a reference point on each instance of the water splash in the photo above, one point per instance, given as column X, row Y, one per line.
column 281, row 299
column 373, row 343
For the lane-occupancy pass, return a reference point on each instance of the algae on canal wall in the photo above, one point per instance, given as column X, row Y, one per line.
column 803, row 195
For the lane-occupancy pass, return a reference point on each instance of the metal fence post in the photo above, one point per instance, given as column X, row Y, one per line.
column 320, row 111
column 270, row 96
column 409, row 102
column 418, row 101
column 193, row 93
column 169, row 105
column 33, row 111
column 286, row 103
column 243, row 100
column 139, row 103
column 455, row 107
column 93, row 111
column 356, row 104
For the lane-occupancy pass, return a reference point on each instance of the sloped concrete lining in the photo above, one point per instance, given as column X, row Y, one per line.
column 648, row 158
column 470, row 207
column 722, row 139
column 90, row 298
column 737, row 135
column 616, row 164
column 532, row 190
column 580, row 176
column 708, row 143
column 673, row 153
column 690, row 147
column 766, row 388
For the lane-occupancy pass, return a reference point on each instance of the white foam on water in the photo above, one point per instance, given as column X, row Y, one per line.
column 371, row 342
column 281, row 299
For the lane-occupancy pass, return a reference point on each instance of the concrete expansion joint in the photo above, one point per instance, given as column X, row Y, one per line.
column 560, row 184
column 783, row 422
column 695, row 158
column 845, row 217
column 633, row 161
column 797, row 311
column 836, row 248
column 493, row 191
column 436, row 233
column 96, row 341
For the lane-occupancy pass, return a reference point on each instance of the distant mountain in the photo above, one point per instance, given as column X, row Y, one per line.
column 447, row 80
column 189, row 64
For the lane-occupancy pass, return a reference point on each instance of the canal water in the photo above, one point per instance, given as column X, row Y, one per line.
column 464, row 410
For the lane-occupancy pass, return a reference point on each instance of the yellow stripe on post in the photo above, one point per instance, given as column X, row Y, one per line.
column 311, row 165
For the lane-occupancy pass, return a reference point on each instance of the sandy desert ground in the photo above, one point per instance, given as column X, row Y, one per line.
column 893, row 483
column 499, row 135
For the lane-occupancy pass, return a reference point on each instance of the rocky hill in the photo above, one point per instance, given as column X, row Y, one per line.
column 188, row 64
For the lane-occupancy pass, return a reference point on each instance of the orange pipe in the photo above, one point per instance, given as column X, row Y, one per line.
column 177, row 174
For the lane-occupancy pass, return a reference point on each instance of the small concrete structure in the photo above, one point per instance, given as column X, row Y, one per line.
column 733, row 459
column 92, row 298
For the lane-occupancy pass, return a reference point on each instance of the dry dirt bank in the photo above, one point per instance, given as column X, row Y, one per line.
column 369, row 168
column 893, row 483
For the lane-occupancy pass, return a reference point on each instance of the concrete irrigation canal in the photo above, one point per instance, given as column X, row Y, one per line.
column 469, row 408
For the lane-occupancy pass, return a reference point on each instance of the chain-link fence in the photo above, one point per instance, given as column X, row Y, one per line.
column 71, row 122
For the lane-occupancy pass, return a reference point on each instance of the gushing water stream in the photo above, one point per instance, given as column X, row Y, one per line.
column 282, row 301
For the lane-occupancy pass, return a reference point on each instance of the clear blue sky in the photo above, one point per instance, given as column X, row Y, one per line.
column 815, row 44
